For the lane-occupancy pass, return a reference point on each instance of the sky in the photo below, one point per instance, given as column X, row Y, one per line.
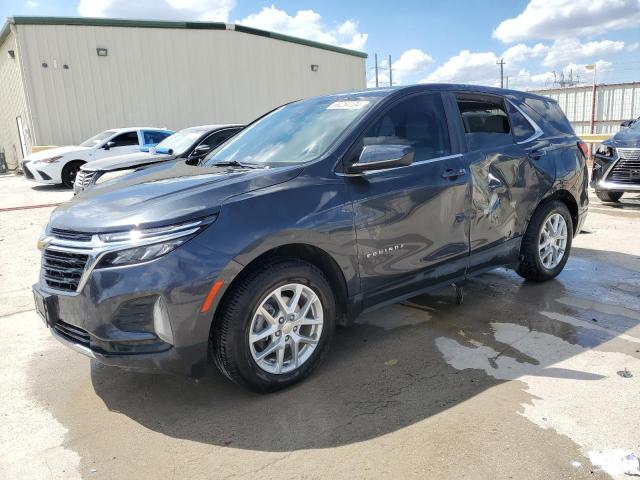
column 455, row 41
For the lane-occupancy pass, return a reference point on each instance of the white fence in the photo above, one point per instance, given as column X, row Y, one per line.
column 614, row 104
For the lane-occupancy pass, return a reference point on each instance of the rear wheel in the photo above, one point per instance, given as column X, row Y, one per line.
column 275, row 326
column 546, row 243
column 69, row 173
column 608, row 196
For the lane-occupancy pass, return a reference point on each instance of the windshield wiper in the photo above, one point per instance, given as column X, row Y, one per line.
column 234, row 163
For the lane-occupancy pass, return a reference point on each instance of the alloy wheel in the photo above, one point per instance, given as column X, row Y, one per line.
column 552, row 242
column 286, row 328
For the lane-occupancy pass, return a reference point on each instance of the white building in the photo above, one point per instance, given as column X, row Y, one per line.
column 65, row 79
column 614, row 104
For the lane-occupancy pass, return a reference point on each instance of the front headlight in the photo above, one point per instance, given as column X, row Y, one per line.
column 49, row 160
column 43, row 235
column 144, row 245
column 604, row 150
column 111, row 175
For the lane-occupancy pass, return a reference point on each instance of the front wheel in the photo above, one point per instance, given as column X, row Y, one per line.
column 608, row 196
column 275, row 326
column 546, row 243
column 69, row 173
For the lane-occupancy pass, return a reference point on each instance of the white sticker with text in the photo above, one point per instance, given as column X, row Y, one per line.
column 348, row 105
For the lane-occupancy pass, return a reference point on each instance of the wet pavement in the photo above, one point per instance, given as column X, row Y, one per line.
column 522, row 380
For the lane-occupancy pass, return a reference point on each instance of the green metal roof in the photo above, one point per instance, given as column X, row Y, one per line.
column 120, row 22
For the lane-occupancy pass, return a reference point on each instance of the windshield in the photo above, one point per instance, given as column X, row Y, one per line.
column 295, row 133
column 635, row 125
column 179, row 142
column 98, row 139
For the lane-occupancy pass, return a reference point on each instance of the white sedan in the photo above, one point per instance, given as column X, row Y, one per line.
column 61, row 164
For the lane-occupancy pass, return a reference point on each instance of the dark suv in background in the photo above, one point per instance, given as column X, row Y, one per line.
column 616, row 164
column 191, row 143
column 317, row 212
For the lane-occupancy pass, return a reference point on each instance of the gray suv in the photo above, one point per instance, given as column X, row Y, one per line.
column 317, row 212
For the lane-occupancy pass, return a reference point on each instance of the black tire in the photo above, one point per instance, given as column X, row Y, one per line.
column 531, row 266
column 69, row 173
column 228, row 341
column 606, row 196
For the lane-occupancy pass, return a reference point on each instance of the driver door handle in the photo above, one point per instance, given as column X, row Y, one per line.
column 454, row 173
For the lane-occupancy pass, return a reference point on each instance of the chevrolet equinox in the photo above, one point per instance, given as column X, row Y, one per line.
column 315, row 213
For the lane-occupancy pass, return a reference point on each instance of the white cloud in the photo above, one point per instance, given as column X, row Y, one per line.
column 568, row 49
column 32, row 3
column 307, row 24
column 561, row 18
column 468, row 67
column 207, row 10
column 521, row 52
column 633, row 47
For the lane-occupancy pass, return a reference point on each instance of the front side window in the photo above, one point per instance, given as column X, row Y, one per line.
column 125, row 139
column 295, row 133
column 152, row 137
column 179, row 142
column 218, row 138
column 485, row 120
column 418, row 122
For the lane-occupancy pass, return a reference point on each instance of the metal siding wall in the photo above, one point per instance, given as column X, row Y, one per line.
column 614, row 103
column 169, row 77
column 12, row 104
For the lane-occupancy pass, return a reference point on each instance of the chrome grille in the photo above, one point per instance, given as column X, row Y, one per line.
column 63, row 270
column 84, row 177
column 70, row 235
column 72, row 333
column 627, row 168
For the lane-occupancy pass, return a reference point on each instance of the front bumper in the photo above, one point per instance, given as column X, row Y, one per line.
column 42, row 172
column 619, row 173
column 107, row 319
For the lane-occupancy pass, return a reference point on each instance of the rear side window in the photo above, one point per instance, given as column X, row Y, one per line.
column 485, row 120
column 154, row 137
column 419, row 122
column 522, row 129
column 552, row 114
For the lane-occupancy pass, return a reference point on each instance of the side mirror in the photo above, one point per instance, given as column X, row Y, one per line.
column 626, row 123
column 200, row 150
column 109, row 145
column 378, row 157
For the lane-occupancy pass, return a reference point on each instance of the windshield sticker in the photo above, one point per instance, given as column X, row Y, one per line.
column 348, row 105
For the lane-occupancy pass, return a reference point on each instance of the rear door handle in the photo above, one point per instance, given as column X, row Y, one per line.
column 453, row 174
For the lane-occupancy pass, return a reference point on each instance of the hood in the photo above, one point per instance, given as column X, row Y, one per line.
column 166, row 193
column 52, row 152
column 126, row 161
column 625, row 138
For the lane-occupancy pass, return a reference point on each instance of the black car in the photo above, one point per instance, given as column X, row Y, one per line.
column 616, row 164
column 317, row 212
column 191, row 143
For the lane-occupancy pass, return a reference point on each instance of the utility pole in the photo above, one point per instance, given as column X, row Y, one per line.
column 390, row 73
column 501, row 63
column 376, row 58
column 593, row 97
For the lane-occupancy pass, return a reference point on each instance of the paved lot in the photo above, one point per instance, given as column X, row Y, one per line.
column 521, row 381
